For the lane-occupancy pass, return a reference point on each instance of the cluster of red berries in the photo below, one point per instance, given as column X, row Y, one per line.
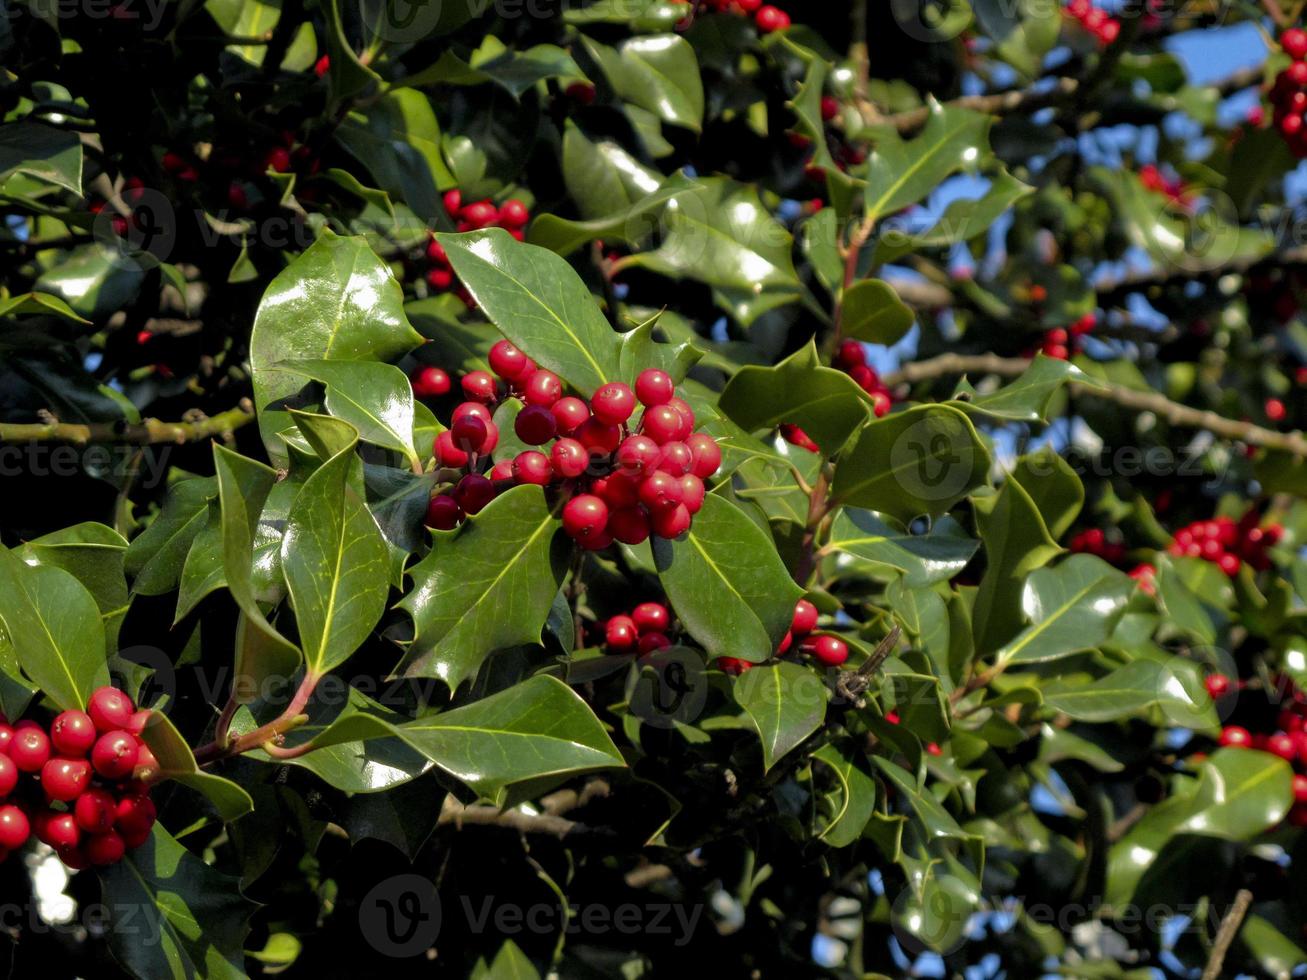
column 1061, row 343
column 851, row 358
column 1229, row 543
column 767, row 17
column 82, row 786
column 643, row 631
column 829, row 651
column 1151, row 176
column 512, row 216
column 626, row 480
column 1288, row 741
column 1097, row 22
column 1289, row 93
column 1095, row 541
column 244, row 172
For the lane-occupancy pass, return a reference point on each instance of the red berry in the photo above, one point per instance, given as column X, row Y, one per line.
column 473, row 492
column 828, row 651
column 797, row 437
column 1282, row 745
column 114, row 755
column 507, row 361
column 453, row 201
column 58, row 830
column 651, row 617
column 542, row 388
column 430, row 382
column 620, row 633
column 629, row 525
column 569, row 457
column 733, row 665
column 448, row 454
column 851, row 354
column 322, row 65
column 613, row 403
column 94, row 811
column 135, row 814
column 104, row 849
column 479, row 386
column 532, row 467
column 1299, row 788
column 618, row 490
column 1236, row 737
column 14, row 827
column 692, row 493
column 706, row 454
column 6, row 737
column 1229, row 564
column 582, row 92
column 676, row 459
column 585, row 516
column 570, row 413
column 805, row 618
column 469, row 433
column 443, row 513
column 535, row 425
column 1218, row 685
column 110, row 709
column 440, row 279
column 661, row 423
column 30, row 749
column 599, row 436
column 8, row 776
column 671, row 522
column 649, row 642
column 786, row 642
column 638, row 455
column 660, row 491
column 654, row 387
column 771, row 18
column 140, row 719
column 278, row 159
column 480, row 214
column 65, row 779
column 1294, row 42
column 830, row 108
column 73, row 733
column 683, row 409
column 513, row 214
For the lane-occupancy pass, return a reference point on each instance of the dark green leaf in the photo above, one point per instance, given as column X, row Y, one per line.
column 785, row 702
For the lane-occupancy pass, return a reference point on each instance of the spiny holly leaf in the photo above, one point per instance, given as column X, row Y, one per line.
column 534, row 731
column 640, row 352
column 177, row 762
column 727, row 583
column 188, row 919
column 920, row 461
column 785, row 702
column 54, row 628
column 156, row 556
column 539, row 303
column 1027, row 399
column 961, row 221
column 336, row 301
column 335, row 561
column 658, row 72
column 901, row 173
column 857, row 799
column 486, row 586
column 1074, row 606
column 827, row 404
column 630, row 224
column 865, row 536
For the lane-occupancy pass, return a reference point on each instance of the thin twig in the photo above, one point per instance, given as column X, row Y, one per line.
column 146, row 433
column 1225, row 934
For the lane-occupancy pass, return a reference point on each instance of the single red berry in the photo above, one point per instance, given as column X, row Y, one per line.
column 507, row 361
column 651, row 617
column 110, row 709
column 1218, row 685
column 830, row 108
column 104, row 849
column 1236, row 737
column 1294, row 42
column 135, row 814
column 480, row 214
column 1229, row 564
column 448, row 454
column 479, row 386
column 8, row 776
column 805, row 618
column 1299, row 788
column 513, row 214
column 94, row 811
column 599, row 436
column 440, row 279
column 30, row 749
column 676, row 459
column 771, row 19
column 706, row 455
column 14, row 827
column 638, row 455
column 140, row 719
column 692, row 493
column 585, row 516
column 570, row 413
column 654, row 387
column 114, row 754
column 322, row 65
column 501, row 471
column 569, row 458
column 613, row 403
column 797, row 437
column 65, row 779
column 542, row 388
column 147, row 766
column 733, row 665
column 1282, row 745
column 469, row 433
column 430, row 382
column 786, row 642
column 686, row 413
column 471, row 409
column 535, row 425
column 829, row 651
column 671, row 522
column 650, row 642
column 72, row 733
column 278, row 159
column 582, row 92
column 629, row 525
column 473, row 492
column 661, row 423
column 620, row 633
column 58, row 830
column 453, row 201
column 617, row 489
column 532, row 467
column 660, row 491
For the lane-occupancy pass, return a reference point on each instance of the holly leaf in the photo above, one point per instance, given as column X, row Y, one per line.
column 784, row 702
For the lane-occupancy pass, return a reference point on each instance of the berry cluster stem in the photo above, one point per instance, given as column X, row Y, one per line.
column 224, row 746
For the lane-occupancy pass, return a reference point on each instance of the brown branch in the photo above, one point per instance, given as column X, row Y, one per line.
column 458, row 815
column 1225, row 934
column 146, row 433
column 1141, row 401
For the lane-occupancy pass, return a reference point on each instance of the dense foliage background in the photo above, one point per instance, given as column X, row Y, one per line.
column 993, row 308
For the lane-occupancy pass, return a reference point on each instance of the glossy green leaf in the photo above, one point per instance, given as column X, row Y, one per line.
column 375, row 398
column 398, row 141
column 919, row 461
column 859, row 536
column 901, row 172
column 176, row 762
column 657, row 72
column 1027, row 399
column 858, row 799
column 539, row 303
column 873, row 312
column 632, row 224
column 336, row 301
column 961, row 221
column 784, row 702
column 155, row 557
column 94, row 554
column 602, row 177
column 48, row 154
column 727, row 584
column 1072, row 606
column 486, row 586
